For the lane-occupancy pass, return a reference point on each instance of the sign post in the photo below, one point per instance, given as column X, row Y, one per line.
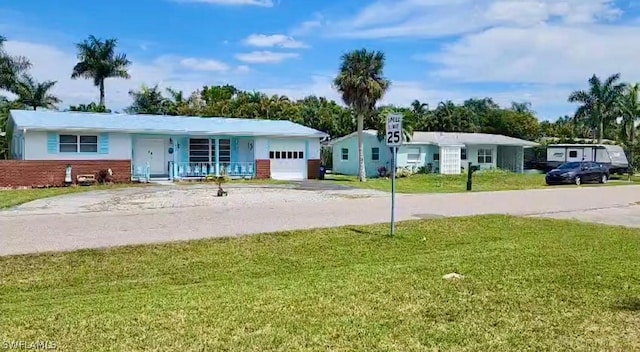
column 393, row 138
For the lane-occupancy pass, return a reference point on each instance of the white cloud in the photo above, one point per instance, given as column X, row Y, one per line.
column 262, row 3
column 275, row 40
column 436, row 18
column 53, row 63
column 547, row 54
column 309, row 26
column 204, row 65
column 243, row 69
column 265, row 57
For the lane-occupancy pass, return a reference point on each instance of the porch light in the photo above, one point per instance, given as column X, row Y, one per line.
column 170, row 141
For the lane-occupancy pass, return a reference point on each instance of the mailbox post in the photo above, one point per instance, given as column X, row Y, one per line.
column 470, row 170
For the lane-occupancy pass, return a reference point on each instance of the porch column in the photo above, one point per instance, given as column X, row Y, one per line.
column 217, row 144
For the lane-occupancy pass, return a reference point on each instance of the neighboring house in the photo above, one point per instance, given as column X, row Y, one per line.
column 168, row 147
column 442, row 152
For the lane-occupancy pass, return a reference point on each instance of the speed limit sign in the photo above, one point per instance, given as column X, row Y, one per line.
column 394, row 130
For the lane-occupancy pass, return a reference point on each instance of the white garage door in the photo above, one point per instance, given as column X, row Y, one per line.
column 287, row 160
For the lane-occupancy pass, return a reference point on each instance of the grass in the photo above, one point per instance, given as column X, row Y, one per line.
column 482, row 181
column 13, row 197
column 530, row 285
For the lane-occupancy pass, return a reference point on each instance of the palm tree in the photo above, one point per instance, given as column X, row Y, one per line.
column 99, row 61
column 361, row 83
column 10, row 67
column 35, row 94
column 630, row 108
column 599, row 103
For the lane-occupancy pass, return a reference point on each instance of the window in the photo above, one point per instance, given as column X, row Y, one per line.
column 375, row 153
column 286, row 155
column 573, row 153
column 345, row 154
column 463, row 154
column 73, row 144
column 203, row 150
column 485, row 156
column 225, row 150
column 413, row 155
column 436, row 156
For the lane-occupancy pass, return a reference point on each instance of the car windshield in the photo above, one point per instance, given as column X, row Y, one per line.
column 569, row 166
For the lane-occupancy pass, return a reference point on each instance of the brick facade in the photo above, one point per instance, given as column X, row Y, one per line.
column 263, row 169
column 49, row 173
column 313, row 169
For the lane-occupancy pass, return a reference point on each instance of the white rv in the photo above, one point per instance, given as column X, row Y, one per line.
column 611, row 155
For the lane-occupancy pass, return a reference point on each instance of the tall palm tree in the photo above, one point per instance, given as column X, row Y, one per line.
column 10, row 67
column 599, row 103
column 630, row 110
column 98, row 61
column 361, row 83
column 35, row 94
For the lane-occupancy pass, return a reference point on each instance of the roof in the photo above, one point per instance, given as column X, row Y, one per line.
column 55, row 120
column 585, row 145
column 456, row 138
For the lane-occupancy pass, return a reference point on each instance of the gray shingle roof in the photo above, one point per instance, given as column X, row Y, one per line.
column 54, row 120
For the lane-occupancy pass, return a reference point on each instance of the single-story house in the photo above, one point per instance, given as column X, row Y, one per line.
column 441, row 152
column 168, row 147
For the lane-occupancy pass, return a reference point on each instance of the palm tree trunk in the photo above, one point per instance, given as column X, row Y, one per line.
column 102, row 92
column 362, row 175
column 600, row 130
column 35, row 108
column 632, row 137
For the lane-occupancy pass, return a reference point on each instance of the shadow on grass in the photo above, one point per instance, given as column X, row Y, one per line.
column 631, row 304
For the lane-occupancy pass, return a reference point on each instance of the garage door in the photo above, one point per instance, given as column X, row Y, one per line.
column 287, row 161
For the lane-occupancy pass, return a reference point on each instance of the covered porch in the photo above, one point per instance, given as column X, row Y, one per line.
column 175, row 157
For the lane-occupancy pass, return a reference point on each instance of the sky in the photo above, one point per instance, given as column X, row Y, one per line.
column 511, row 50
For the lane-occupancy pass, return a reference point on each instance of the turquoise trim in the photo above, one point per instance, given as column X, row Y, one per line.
column 184, row 149
column 234, row 149
column 103, row 143
column 52, row 142
column 217, row 144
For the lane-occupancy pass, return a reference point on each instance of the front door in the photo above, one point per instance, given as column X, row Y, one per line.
column 151, row 151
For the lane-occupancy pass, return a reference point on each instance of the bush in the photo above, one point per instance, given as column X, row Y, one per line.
column 104, row 176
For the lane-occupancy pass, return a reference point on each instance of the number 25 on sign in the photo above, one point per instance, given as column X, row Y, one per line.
column 394, row 130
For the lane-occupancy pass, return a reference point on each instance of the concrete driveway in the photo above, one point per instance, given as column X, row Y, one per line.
column 170, row 213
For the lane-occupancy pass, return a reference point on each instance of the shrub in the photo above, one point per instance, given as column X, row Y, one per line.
column 104, row 176
column 383, row 172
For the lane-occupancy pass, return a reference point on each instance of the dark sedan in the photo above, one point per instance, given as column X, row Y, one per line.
column 578, row 173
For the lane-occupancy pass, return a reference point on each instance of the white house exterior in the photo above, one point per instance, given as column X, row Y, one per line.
column 441, row 152
column 169, row 147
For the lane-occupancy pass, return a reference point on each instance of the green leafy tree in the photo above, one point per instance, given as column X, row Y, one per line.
column 599, row 104
column 362, row 84
column 98, row 60
column 35, row 94
column 148, row 100
column 91, row 107
column 11, row 67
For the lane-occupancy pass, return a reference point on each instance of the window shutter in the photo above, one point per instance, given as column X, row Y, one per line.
column 103, row 143
column 52, row 143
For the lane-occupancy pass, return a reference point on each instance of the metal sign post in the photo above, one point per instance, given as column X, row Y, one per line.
column 393, row 138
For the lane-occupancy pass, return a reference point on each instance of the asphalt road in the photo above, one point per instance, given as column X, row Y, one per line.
column 66, row 223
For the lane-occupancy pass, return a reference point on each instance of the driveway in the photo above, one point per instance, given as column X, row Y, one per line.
column 171, row 213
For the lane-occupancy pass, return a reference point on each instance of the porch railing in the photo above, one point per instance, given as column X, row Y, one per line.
column 180, row 170
column 141, row 173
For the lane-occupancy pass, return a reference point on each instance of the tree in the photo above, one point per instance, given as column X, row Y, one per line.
column 35, row 94
column 91, row 107
column 361, row 83
column 98, row 61
column 10, row 67
column 148, row 100
column 599, row 103
column 630, row 108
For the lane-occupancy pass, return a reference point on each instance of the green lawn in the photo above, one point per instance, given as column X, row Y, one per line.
column 482, row 181
column 530, row 285
column 12, row 197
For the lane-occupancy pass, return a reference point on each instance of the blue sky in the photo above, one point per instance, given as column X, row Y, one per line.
column 511, row 50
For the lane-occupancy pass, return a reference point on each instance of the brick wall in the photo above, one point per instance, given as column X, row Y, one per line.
column 263, row 169
column 313, row 169
column 42, row 173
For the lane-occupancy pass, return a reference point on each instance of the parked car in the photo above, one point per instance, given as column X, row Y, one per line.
column 578, row 172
